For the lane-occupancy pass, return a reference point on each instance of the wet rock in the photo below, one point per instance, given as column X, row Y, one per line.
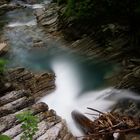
column 4, row 1
column 10, row 6
column 38, row 44
column 11, row 96
column 10, row 120
column 3, row 48
column 38, row 84
column 5, row 87
column 50, row 125
column 136, row 61
column 130, row 79
column 137, row 72
column 48, row 17
column 15, row 105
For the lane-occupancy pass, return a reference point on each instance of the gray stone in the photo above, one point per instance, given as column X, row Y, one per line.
column 3, row 48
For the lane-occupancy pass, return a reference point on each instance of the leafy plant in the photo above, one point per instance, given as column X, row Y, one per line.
column 4, row 137
column 29, row 125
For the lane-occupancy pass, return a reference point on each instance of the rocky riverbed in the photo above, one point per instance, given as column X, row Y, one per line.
column 21, row 89
column 20, row 92
column 128, row 76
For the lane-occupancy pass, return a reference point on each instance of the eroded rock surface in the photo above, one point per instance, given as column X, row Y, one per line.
column 48, row 17
column 4, row 1
column 3, row 48
column 38, row 84
column 51, row 126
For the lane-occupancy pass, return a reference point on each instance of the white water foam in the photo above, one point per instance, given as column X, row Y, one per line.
column 34, row 6
column 37, row 6
column 18, row 24
column 65, row 99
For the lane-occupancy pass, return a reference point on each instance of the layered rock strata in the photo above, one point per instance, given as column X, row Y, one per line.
column 12, row 102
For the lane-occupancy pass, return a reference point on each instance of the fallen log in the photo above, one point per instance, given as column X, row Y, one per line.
column 106, row 125
column 83, row 122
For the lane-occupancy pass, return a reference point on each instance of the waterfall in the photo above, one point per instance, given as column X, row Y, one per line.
column 66, row 97
column 71, row 81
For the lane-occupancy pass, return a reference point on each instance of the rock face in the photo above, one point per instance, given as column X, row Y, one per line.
column 4, row 1
column 38, row 84
column 51, row 126
column 48, row 16
column 3, row 48
column 130, row 76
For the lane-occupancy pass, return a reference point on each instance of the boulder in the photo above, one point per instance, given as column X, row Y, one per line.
column 3, row 48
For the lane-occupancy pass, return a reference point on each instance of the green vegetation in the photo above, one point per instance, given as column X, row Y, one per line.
column 29, row 125
column 70, row 10
column 2, row 65
column 98, row 13
column 4, row 137
column 111, row 10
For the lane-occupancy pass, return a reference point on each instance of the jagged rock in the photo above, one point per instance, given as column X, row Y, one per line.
column 15, row 105
column 11, row 96
column 50, row 125
column 10, row 6
column 37, row 84
column 48, row 17
column 5, row 87
column 8, row 121
column 4, row 1
column 137, row 72
column 3, row 48
column 130, row 79
column 136, row 61
column 38, row 44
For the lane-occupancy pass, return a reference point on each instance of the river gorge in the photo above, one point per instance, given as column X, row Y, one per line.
column 80, row 82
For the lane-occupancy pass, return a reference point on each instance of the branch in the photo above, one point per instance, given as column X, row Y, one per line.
column 95, row 110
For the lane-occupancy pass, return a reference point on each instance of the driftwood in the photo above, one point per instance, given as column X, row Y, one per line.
column 106, row 125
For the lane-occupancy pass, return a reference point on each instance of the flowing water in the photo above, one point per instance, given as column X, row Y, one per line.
column 80, row 83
